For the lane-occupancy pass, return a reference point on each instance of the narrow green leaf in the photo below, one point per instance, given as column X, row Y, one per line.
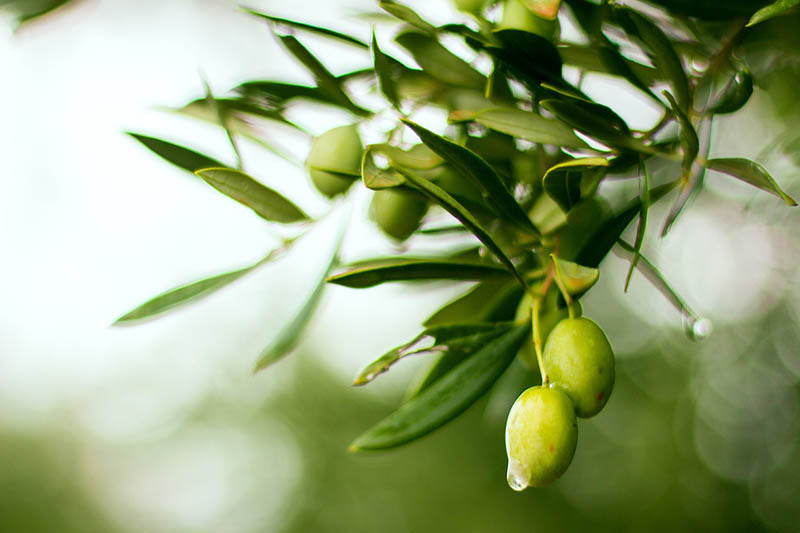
column 689, row 140
column 521, row 124
column 451, row 205
column 375, row 177
column 177, row 155
column 592, row 119
column 276, row 94
column 641, row 228
column 735, row 94
column 267, row 203
column 386, row 69
column 185, row 294
column 480, row 172
column 327, row 82
column 222, row 118
column 488, row 301
column 419, row 270
column 567, row 183
column 325, row 32
column 777, row 8
column 531, row 58
column 406, row 14
column 439, row 62
column 462, row 338
column 448, row 397
column 750, row 172
column 577, row 279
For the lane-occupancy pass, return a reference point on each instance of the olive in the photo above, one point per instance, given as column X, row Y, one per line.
column 579, row 360
column 334, row 161
column 541, row 436
column 398, row 212
column 550, row 315
column 516, row 16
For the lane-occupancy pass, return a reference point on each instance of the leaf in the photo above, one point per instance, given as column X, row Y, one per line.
column 439, row 62
column 735, row 94
column 276, row 94
column 375, row 177
column 289, row 336
column 175, row 154
column 386, row 69
column 567, row 183
column 185, row 294
column 664, row 56
column 448, row 397
column 406, row 14
column 473, row 166
column 325, row 32
column 461, row 338
column 267, row 203
column 641, row 228
column 577, row 279
column 777, row 8
column 522, row 125
column 592, row 119
column 419, row 270
column 546, row 9
column 222, row 119
column 489, row 301
column 689, row 140
column 327, row 82
column 752, row 173
column 451, row 205
column 531, row 58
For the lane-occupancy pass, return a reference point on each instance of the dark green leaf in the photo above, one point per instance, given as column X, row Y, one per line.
column 386, row 69
column 461, row 338
column 735, row 94
column 522, row 125
column 473, row 166
column 531, row 58
column 267, row 203
column 325, row 32
column 448, row 397
column 275, row 94
column 419, row 270
column 689, row 140
column 567, row 183
column 177, row 155
column 641, row 228
column 712, row 9
column 595, row 120
column 752, row 173
column 451, row 205
column 775, row 9
column 439, row 62
column 490, row 301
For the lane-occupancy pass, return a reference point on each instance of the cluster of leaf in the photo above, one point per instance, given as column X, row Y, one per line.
column 519, row 167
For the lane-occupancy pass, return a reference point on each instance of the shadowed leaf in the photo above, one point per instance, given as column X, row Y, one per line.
column 752, row 173
column 419, row 270
column 177, row 155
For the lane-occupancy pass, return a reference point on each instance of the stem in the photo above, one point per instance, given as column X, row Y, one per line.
column 537, row 338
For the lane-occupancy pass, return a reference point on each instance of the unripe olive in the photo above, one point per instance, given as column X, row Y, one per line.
column 398, row 212
column 541, row 436
column 470, row 6
column 516, row 16
column 579, row 360
column 334, row 161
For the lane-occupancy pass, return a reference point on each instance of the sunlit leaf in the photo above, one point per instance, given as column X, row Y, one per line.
column 750, row 172
column 576, row 278
column 775, row 9
column 567, row 183
column 267, row 203
column 325, row 32
column 489, row 301
column 448, row 397
column 546, row 9
column 406, row 14
column 522, row 125
column 439, row 62
column 376, row 177
column 419, row 270
column 177, row 155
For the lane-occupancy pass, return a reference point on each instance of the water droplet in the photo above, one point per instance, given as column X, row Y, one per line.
column 696, row 328
column 516, row 477
column 477, row 130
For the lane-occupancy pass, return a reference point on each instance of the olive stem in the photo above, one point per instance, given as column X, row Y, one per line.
column 537, row 338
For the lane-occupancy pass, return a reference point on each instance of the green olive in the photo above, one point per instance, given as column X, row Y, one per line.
column 550, row 316
column 334, row 161
column 398, row 212
column 470, row 6
column 579, row 360
column 541, row 436
column 516, row 16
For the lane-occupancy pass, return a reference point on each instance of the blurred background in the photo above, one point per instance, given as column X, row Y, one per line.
column 163, row 427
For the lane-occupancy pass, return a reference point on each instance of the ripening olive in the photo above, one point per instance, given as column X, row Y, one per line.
column 579, row 360
column 541, row 436
column 334, row 161
column 516, row 16
column 398, row 212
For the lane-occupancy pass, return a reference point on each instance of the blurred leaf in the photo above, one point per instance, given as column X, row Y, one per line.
column 418, row 157
column 185, row 294
column 577, row 279
column 28, row 10
column 448, row 397
column 752, row 173
column 775, row 9
column 406, row 14
column 386, row 69
column 375, row 177
column 461, row 338
column 712, row 9
column 472, row 165
column 451, row 205
column 325, row 32
column 522, row 125
column 546, row 9
column 275, row 94
column 418, row 270
column 267, row 203
column 489, row 301
column 175, row 154
column 222, row 119
column 530, row 58
column 735, row 94
column 547, row 215
column 439, row 62
column 641, row 228
column 592, row 119
column 567, row 183
column 327, row 82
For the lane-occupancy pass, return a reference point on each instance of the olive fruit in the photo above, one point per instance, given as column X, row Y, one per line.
column 550, row 315
column 334, row 162
column 516, row 16
column 579, row 360
column 541, row 436
column 398, row 212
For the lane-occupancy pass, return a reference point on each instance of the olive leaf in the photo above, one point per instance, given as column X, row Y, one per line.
column 417, row 270
column 775, row 9
column 750, row 172
column 522, row 125
column 641, row 228
column 492, row 300
column 735, row 94
column 447, row 397
column 593, row 119
column 567, row 183
column 386, row 68
column 439, row 62
column 325, row 32
column 177, row 155
column 480, row 172
column 266, row 203
column 461, row 338
column 577, row 279
column 406, row 14
column 530, row 58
